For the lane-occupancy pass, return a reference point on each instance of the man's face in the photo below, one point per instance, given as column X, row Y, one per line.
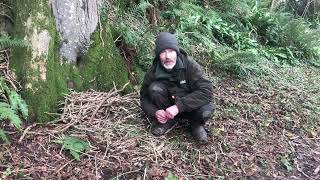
column 168, row 58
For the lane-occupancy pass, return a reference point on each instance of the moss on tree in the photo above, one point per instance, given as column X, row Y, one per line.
column 44, row 78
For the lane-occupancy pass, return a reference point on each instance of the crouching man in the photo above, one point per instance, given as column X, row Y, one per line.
column 175, row 87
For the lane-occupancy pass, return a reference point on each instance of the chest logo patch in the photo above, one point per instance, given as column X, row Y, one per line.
column 183, row 82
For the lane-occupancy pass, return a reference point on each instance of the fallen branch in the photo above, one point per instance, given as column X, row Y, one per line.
column 107, row 97
column 25, row 132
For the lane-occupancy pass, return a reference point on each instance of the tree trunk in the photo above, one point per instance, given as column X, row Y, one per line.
column 69, row 49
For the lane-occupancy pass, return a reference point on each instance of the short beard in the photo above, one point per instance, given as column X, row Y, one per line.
column 168, row 67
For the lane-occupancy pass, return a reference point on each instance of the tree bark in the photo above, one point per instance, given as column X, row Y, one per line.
column 47, row 70
column 76, row 21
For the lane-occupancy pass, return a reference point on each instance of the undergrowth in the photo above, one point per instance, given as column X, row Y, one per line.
column 218, row 33
column 7, row 42
column 12, row 108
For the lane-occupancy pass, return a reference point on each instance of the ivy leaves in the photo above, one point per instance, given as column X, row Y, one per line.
column 75, row 145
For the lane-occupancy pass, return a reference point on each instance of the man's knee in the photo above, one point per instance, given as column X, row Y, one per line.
column 157, row 89
column 205, row 112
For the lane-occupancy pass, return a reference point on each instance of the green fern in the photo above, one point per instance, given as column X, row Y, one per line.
column 143, row 5
column 7, row 42
column 3, row 86
column 4, row 105
column 10, row 108
column 6, row 110
column 4, row 137
column 171, row 176
column 74, row 145
column 9, row 113
column 245, row 64
column 16, row 102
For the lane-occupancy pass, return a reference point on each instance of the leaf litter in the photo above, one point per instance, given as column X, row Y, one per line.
column 251, row 135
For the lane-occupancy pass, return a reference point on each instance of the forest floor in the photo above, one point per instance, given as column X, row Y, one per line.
column 263, row 128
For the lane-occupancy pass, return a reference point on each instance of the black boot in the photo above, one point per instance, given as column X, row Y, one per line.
column 198, row 120
column 199, row 133
column 159, row 129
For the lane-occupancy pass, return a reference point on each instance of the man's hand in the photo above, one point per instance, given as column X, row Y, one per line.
column 161, row 116
column 172, row 111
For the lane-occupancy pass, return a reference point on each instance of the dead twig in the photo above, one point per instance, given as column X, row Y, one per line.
column 56, row 172
column 25, row 132
column 300, row 170
column 129, row 172
column 7, row 16
column 107, row 97
column 93, row 139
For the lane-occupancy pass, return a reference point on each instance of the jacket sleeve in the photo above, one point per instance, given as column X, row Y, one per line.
column 146, row 104
column 201, row 89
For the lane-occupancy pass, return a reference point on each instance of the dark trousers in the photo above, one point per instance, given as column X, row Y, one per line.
column 161, row 97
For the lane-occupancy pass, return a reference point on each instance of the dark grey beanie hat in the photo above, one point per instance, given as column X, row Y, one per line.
column 164, row 41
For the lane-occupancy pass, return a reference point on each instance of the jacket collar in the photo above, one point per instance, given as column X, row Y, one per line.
column 179, row 64
column 161, row 73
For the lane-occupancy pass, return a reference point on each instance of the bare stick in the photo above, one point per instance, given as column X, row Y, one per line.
column 25, row 132
column 63, row 166
column 298, row 168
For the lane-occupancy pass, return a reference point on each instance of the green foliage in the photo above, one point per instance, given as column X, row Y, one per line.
column 241, row 26
column 198, row 30
column 171, row 176
column 204, row 31
column 281, row 32
column 11, row 107
column 18, row 104
column 76, row 146
column 7, row 173
column 226, row 147
column 134, row 35
column 244, row 64
column 7, row 42
column 9, row 113
column 235, row 8
column 217, row 131
column 242, row 37
column 286, row 163
column 309, row 9
column 4, row 137
column 144, row 5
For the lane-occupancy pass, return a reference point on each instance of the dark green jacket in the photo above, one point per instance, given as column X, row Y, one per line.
column 187, row 85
